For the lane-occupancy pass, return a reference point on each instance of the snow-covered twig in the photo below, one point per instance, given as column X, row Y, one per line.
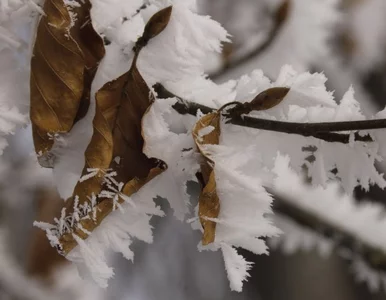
column 321, row 130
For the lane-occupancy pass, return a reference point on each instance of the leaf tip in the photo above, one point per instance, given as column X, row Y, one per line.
column 157, row 23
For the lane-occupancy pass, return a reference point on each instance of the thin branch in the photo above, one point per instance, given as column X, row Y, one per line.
column 280, row 16
column 322, row 131
column 326, row 131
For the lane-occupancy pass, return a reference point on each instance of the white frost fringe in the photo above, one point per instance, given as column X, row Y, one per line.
column 242, row 220
column 115, row 233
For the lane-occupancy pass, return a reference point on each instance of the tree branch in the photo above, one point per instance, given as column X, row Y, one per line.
column 374, row 257
column 326, row 131
column 280, row 16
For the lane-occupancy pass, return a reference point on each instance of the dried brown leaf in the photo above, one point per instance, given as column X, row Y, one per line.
column 209, row 203
column 120, row 107
column 117, row 133
column 157, row 23
column 65, row 58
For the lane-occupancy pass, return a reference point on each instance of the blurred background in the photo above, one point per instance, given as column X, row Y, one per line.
column 345, row 39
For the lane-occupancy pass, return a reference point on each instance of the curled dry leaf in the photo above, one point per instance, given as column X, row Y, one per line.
column 115, row 149
column 209, row 203
column 65, row 58
column 207, row 131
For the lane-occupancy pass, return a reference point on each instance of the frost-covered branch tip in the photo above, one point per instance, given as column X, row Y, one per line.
column 322, row 130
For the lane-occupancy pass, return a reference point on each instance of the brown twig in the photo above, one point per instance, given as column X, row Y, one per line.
column 326, row 131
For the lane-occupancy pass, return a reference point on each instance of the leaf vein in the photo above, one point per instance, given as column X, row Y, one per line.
column 45, row 99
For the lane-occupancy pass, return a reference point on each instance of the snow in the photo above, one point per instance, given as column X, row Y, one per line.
column 115, row 233
column 179, row 155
